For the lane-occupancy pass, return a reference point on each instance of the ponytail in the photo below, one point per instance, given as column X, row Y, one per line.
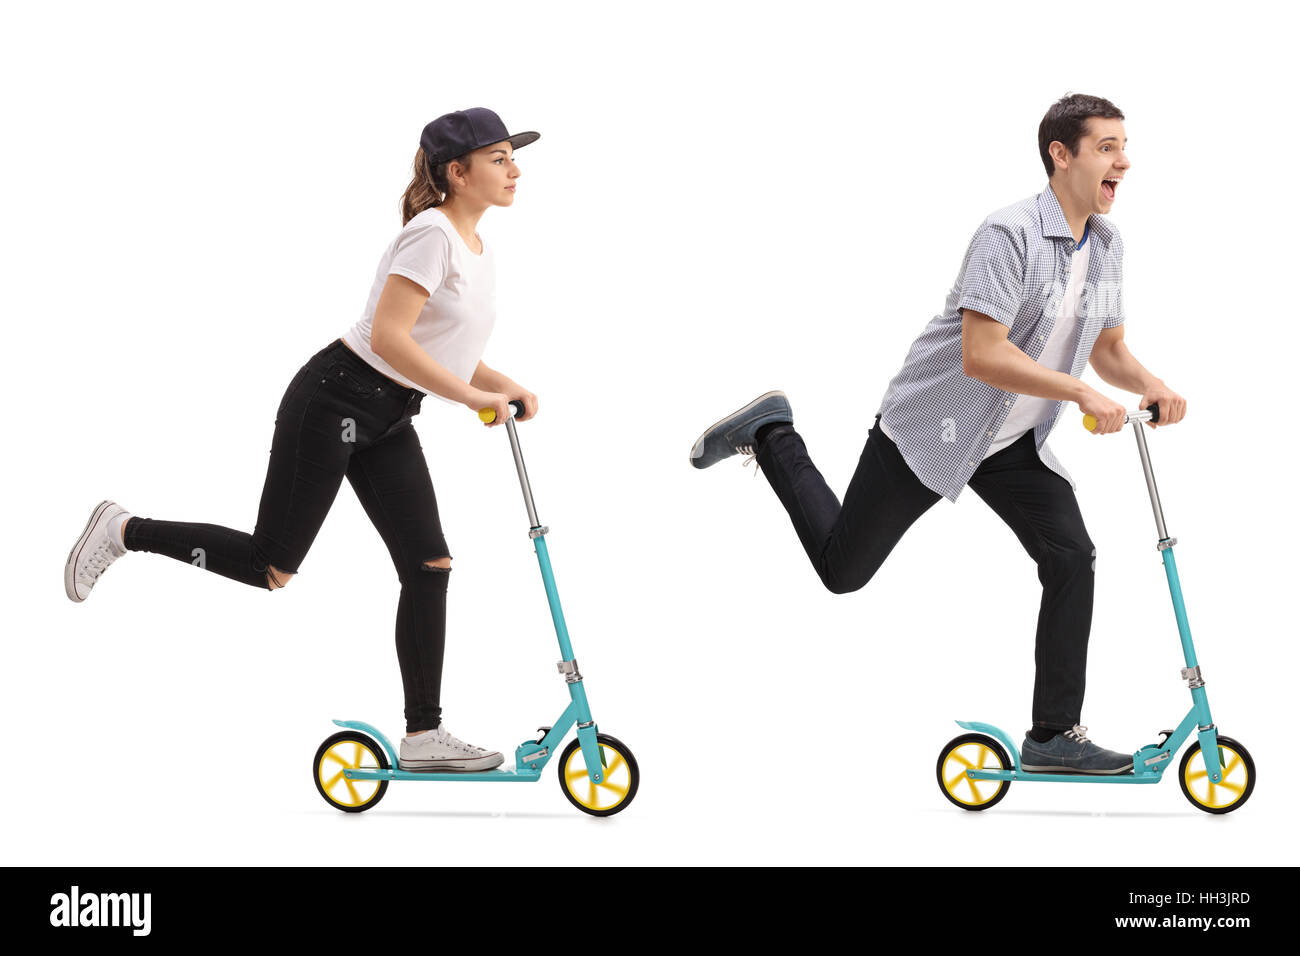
column 429, row 186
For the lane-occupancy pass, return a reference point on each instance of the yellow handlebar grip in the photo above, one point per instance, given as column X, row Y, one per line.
column 487, row 414
column 1090, row 423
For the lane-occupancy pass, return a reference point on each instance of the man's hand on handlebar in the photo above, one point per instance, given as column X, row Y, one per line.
column 1110, row 415
column 1172, row 405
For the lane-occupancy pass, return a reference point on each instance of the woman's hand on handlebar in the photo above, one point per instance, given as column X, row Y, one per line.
column 1110, row 415
column 497, row 401
column 530, row 404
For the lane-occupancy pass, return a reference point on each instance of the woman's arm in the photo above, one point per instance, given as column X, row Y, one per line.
column 493, row 381
column 390, row 338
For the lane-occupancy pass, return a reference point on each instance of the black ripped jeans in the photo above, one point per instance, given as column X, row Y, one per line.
column 339, row 416
column 848, row 543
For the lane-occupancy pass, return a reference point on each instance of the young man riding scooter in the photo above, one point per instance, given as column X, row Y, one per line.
column 1038, row 297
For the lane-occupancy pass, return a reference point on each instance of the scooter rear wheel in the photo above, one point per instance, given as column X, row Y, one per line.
column 614, row 792
column 1229, row 793
column 354, row 751
column 972, row 752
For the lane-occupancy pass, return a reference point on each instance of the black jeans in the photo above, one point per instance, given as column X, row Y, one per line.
column 339, row 417
column 847, row 543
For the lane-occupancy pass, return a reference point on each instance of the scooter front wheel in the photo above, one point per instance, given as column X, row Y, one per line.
column 1238, row 772
column 972, row 752
column 614, row 792
column 349, row 750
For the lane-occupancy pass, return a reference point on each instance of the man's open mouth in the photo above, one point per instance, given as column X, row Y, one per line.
column 1108, row 187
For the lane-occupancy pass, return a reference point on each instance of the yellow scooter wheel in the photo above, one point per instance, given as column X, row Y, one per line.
column 972, row 752
column 349, row 750
column 1235, row 787
column 614, row 792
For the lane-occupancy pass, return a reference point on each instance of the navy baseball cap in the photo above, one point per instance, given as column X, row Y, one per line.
column 461, row 132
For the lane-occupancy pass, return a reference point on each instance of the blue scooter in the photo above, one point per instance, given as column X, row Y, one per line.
column 1216, row 774
column 598, row 773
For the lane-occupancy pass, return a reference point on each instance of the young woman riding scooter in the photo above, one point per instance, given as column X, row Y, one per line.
column 348, row 412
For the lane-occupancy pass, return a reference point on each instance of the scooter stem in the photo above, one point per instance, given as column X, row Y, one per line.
column 533, row 523
column 538, row 534
column 1192, row 672
column 1151, row 478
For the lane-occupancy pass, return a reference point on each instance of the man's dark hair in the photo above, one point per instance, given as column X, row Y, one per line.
column 1067, row 121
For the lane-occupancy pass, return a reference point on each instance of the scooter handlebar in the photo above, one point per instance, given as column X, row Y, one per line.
column 490, row 414
column 1150, row 413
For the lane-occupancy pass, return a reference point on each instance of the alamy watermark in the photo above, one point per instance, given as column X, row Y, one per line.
column 102, row 909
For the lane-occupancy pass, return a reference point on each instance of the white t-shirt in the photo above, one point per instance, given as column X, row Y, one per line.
column 1029, row 410
column 454, row 325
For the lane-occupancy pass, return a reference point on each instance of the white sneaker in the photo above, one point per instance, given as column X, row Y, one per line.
column 439, row 750
column 94, row 551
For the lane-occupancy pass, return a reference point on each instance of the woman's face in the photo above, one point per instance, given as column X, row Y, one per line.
column 490, row 179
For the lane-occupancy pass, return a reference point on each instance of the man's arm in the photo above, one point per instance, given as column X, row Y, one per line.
column 988, row 356
column 992, row 292
column 1116, row 365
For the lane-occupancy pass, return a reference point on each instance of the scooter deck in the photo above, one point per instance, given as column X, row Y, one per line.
column 500, row 776
column 1054, row 776
column 1064, row 776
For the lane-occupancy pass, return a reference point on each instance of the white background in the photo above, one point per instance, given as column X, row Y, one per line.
column 726, row 198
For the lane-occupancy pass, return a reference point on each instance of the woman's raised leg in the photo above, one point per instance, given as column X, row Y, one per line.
column 309, row 457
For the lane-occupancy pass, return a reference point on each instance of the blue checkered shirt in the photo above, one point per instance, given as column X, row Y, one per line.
column 1016, row 271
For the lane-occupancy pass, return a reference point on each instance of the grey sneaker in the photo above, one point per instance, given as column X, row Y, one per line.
column 735, row 433
column 1072, row 752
